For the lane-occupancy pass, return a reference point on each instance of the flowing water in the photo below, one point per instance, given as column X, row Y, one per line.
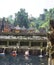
column 22, row 60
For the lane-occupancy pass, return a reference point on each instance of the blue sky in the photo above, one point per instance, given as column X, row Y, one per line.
column 33, row 7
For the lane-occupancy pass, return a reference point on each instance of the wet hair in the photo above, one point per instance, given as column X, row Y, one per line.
column 51, row 36
column 52, row 23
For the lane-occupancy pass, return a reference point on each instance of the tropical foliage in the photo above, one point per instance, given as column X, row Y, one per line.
column 22, row 19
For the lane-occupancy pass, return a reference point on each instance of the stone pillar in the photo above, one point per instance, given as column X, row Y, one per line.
column 7, row 43
column 41, row 44
column 29, row 44
column 41, row 48
column 18, row 44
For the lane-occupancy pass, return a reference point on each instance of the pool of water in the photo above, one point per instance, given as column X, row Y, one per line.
column 22, row 60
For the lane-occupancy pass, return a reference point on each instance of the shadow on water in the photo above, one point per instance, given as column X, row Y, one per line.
column 22, row 60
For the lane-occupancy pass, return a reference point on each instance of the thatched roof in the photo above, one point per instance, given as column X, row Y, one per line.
column 31, row 28
column 17, row 27
column 23, row 28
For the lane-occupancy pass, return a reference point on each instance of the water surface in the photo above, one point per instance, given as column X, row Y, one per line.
column 22, row 60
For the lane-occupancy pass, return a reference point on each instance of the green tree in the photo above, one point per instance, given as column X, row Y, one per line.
column 32, row 21
column 21, row 18
column 11, row 19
